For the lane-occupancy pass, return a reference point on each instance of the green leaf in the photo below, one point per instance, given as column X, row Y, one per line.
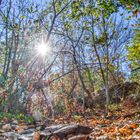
column 4, row 18
column 2, row 79
column 23, row 17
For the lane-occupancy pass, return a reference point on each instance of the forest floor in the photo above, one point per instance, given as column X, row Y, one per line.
column 121, row 124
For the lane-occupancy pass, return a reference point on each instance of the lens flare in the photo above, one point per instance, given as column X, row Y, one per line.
column 43, row 49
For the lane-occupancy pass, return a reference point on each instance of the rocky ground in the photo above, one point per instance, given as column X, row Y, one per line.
column 124, row 124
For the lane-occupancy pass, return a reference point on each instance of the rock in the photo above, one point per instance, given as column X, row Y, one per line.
column 37, row 115
column 25, row 138
column 135, row 138
column 9, row 136
column 28, row 131
column 14, row 122
column 6, row 127
column 71, row 130
column 2, row 131
column 104, row 137
column 117, row 93
column 80, row 137
column 55, row 127
column 55, row 138
column 13, row 136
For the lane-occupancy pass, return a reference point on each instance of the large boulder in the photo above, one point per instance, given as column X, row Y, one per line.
column 117, row 93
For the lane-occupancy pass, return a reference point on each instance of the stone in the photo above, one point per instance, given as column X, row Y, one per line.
column 6, row 127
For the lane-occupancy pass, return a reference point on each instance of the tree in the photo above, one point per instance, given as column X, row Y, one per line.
column 134, row 55
column 88, row 46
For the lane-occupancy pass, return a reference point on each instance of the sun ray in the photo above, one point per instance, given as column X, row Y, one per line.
column 43, row 48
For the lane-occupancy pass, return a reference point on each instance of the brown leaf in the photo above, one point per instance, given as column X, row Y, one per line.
column 125, row 131
column 136, row 12
column 133, row 126
column 36, row 136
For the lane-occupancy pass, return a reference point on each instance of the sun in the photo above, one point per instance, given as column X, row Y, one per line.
column 43, row 49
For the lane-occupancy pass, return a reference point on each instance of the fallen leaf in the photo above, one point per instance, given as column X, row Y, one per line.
column 133, row 126
column 36, row 136
column 125, row 131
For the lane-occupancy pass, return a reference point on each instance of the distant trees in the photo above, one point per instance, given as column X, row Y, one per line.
column 134, row 53
column 102, row 34
column 88, row 47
